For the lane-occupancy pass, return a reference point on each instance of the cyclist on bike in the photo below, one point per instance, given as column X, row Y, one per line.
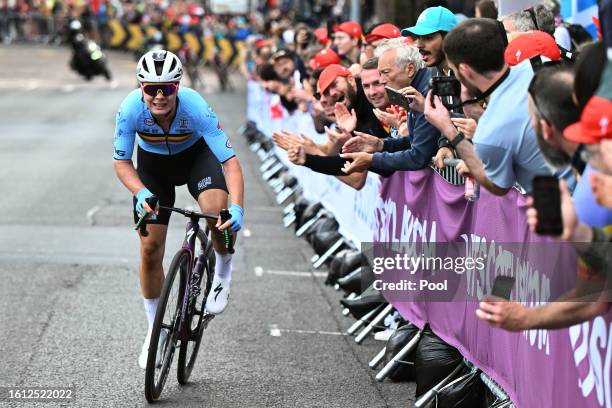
column 180, row 142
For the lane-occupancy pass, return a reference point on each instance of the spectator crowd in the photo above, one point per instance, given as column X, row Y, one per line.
column 512, row 98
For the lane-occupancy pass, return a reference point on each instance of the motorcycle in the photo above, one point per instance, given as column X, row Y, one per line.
column 87, row 60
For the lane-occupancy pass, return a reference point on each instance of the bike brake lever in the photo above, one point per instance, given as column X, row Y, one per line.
column 228, row 239
column 142, row 224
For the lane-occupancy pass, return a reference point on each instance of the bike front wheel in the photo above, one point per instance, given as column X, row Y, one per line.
column 161, row 352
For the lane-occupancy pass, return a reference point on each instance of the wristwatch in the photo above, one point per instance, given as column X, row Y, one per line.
column 460, row 137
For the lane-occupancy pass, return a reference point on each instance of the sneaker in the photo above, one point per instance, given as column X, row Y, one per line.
column 218, row 296
column 144, row 353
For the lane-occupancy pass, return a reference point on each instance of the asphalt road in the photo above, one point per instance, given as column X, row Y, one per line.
column 71, row 312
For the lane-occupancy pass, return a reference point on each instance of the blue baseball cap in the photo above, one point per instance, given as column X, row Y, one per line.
column 431, row 20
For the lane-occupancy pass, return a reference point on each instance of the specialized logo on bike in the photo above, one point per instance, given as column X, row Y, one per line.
column 218, row 290
column 205, row 182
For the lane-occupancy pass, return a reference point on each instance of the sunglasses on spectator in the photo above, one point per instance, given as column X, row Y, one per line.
column 166, row 89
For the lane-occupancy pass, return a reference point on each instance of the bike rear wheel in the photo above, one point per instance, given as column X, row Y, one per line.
column 166, row 319
column 188, row 351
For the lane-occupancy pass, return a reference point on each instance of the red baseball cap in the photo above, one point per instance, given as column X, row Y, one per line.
column 321, row 35
column 324, row 58
column 350, row 27
column 595, row 122
column 329, row 75
column 382, row 31
column 261, row 43
column 533, row 44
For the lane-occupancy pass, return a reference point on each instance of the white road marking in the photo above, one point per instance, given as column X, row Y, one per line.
column 259, row 271
column 32, row 85
column 296, row 273
column 276, row 332
column 68, row 88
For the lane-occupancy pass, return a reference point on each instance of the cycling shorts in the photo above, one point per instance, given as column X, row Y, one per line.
column 196, row 166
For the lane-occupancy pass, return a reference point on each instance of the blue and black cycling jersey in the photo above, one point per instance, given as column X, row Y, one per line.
column 194, row 120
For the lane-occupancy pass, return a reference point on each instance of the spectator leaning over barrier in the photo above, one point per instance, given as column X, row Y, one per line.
column 347, row 42
column 505, row 150
column 289, row 67
column 400, row 66
column 592, row 244
column 273, row 83
column 432, row 26
column 341, row 95
column 301, row 151
column 552, row 109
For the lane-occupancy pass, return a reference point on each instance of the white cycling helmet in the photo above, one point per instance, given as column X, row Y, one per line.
column 159, row 66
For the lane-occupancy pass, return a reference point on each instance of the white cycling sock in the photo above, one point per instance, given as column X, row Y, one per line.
column 150, row 309
column 223, row 266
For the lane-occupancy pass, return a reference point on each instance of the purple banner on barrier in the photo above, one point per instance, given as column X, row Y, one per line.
column 537, row 368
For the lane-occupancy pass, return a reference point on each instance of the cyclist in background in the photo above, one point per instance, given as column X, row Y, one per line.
column 180, row 141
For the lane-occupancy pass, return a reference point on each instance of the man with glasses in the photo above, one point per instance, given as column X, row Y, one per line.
column 180, row 141
column 505, row 149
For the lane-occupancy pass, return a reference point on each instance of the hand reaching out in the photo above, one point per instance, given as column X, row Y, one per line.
column 337, row 138
column 357, row 162
column 362, row 142
column 297, row 155
column 345, row 119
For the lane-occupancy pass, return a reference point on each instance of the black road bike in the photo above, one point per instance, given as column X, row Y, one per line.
column 181, row 314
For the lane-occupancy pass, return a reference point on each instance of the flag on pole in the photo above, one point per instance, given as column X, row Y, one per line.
column 580, row 12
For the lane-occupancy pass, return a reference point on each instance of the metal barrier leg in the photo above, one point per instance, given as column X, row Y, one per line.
column 284, row 195
column 328, row 253
column 290, row 208
column 288, row 220
column 386, row 370
column 378, row 358
column 372, row 324
column 275, row 169
column 267, row 164
column 308, row 224
column 351, row 330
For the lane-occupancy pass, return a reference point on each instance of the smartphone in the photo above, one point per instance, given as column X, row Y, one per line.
column 502, row 287
column 547, row 201
column 397, row 98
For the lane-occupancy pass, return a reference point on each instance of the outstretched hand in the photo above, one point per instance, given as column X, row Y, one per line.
column 345, row 119
column 362, row 142
column 357, row 162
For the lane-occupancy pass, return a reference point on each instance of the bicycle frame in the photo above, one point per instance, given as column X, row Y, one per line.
column 194, row 276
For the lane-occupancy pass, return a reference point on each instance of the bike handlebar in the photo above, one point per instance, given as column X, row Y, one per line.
column 153, row 202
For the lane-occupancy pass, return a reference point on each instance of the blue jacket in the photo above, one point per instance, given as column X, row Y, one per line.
column 415, row 151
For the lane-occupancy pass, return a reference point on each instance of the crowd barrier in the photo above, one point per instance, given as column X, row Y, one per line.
column 131, row 36
column 537, row 368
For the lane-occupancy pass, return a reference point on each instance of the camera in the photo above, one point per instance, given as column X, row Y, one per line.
column 445, row 86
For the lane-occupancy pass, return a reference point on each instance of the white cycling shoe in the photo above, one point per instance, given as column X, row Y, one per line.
column 219, row 296
column 144, row 353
